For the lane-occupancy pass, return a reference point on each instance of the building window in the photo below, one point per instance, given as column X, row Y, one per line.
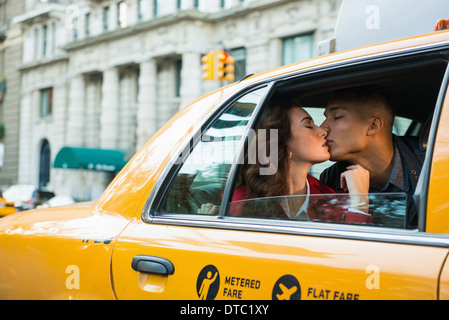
column 196, row 4
column 53, row 37
column 297, row 49
column 122, row 11
column 36, row 43
column 155, row 8
column 87, row 24
column 178, row 4
column 178, row 78
column 140, row 7
column 44, row 165
column 46, row 103
column 44, row 40
column 2, row 13
column 75, row 28
column 105, row 18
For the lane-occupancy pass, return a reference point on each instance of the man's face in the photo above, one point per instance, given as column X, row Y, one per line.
column 347, row 127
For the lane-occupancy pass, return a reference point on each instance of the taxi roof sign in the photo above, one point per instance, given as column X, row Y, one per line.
column 442, row 24
column 365, row 22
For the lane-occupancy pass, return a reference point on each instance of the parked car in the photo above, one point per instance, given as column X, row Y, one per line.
column 144, row 238
column 57, row 201
column 26, row 197
column 6, row 207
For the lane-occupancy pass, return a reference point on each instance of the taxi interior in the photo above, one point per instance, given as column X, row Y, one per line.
column 414, row 86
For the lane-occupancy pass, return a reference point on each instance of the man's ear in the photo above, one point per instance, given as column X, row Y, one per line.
column 376, row 123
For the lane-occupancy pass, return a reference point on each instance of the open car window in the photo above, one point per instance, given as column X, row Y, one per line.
column 414, row 92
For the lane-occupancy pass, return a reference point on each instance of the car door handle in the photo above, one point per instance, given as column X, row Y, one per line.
column 151, row 264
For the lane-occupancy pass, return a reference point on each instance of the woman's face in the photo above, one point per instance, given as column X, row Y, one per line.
column 307, row 142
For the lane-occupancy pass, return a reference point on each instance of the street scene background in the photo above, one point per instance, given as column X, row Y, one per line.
column 89, row 77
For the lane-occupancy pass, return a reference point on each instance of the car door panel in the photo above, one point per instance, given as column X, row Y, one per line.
column 261, row 265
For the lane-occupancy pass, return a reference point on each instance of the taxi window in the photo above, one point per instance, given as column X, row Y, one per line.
column 199, row 184
column 391, row 205
column 381, row 210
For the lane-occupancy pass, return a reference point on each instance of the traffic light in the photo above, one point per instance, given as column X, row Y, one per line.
column 225, row 66
column 208, row 66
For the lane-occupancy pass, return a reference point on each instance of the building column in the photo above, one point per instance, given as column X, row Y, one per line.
column 26, row 133
column 148, row 9
column 147, row 102
column 113, row 11
column 213, row 5
column 191, row 78
column 188, row 4
column 93, row 104
column 75, row 124
column 234, row 3
column 275, row 53
column 109, row 119
column 128, row 109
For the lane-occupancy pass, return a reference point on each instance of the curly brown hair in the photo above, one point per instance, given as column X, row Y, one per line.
column 275, row 184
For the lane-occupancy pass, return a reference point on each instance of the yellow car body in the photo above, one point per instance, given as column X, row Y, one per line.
column 92, row 250
column 6, row 208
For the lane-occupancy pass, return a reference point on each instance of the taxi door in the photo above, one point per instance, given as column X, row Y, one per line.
column 177, row 251
column 240, row 260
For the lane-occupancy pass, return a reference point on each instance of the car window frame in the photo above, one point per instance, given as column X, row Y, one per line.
column 422, row 188
column 155, row 199
column 359, row 66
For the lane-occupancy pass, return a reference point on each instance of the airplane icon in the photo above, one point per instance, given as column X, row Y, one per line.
column 286, row 293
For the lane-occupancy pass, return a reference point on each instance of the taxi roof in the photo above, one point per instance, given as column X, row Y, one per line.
column 425, row 42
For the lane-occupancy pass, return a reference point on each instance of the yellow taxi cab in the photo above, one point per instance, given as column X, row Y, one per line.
column 144, row 237
column 6, row 208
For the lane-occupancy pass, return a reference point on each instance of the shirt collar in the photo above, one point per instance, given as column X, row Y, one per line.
column 302, row 212
column 397, row 173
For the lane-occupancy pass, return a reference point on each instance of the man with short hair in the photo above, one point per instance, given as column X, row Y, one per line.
column 359, row 122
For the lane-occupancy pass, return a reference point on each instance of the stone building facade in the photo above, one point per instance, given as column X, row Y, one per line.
column 11, row 49
column 107, row 74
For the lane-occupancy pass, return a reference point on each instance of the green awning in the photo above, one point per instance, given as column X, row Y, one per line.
column 90, row 159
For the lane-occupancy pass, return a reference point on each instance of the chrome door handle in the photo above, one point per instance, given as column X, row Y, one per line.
column 151, row 264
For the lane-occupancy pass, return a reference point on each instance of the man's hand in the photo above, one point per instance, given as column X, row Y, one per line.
column 208, row 208
column 355, row 180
